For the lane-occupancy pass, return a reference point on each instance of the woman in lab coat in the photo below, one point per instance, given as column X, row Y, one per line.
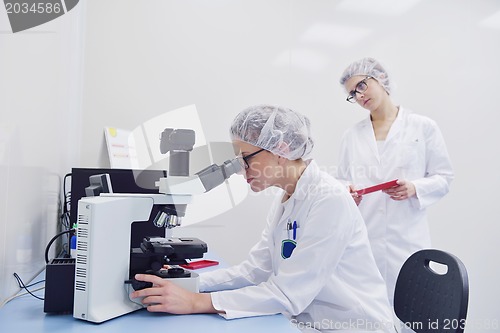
column 313, row 262
column 392, row 143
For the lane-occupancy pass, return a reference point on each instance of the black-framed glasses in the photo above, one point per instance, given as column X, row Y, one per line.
column 246, row 158
column 359, row 89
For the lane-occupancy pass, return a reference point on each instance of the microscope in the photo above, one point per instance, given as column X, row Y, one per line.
column 105, row 261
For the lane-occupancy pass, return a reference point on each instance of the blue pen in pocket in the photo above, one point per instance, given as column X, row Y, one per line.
column 288, row 245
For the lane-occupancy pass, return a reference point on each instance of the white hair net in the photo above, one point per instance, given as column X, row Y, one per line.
column 369, row 67
column 279, row 130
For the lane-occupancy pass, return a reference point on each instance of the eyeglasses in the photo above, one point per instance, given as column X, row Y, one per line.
column 359, row 89
column 244, row 159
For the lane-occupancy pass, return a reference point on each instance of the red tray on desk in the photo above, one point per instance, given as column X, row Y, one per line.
column 200, row 264
column 378, row 187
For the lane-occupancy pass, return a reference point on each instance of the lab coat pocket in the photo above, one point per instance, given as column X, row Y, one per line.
column 408, row 155
column 287, row 242
column 287, row 247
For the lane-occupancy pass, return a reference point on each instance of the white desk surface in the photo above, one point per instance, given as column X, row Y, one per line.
column 25, row 314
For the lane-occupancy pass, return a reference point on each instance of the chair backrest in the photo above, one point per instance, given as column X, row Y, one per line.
column 428, row 301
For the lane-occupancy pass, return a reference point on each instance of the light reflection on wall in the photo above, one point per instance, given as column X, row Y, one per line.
column 145, row 138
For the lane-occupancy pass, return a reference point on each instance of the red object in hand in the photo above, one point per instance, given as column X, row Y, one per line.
column 200, row 264
column 378, row 187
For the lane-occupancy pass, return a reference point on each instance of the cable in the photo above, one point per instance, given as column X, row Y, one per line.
column 19, row 295
column 67, row 195
column 22, row 285
column 35, row 283
column 52, row 241
column 65, row 215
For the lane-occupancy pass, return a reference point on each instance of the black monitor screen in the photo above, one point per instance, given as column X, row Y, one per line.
column 122, row 181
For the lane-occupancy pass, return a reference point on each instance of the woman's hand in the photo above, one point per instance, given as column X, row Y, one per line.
column 404, row 190
column 357, row 198
column 165, row 296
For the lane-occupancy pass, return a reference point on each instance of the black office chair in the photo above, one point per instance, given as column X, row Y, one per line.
column 430, row 302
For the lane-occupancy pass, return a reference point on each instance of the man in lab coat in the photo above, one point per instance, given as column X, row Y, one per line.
column 313, row 263
column 391, row 143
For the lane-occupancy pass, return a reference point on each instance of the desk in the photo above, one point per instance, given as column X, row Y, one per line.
column 25, row 314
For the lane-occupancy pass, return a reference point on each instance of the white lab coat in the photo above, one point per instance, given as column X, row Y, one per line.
column 330, row 279
column 413, row 150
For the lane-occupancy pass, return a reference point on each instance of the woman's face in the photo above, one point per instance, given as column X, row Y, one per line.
column 263, row 168
column 370, row 98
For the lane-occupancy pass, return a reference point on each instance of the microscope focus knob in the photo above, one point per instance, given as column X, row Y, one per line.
column 138, row 285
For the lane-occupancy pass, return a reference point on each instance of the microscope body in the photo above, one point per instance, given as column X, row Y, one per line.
column 104, row 254
column 105, row 260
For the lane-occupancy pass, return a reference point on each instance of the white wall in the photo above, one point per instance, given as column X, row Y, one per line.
column 143, row 59
column 226, row 55
column 40, row 99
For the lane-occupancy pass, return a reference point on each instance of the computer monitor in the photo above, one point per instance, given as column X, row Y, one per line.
column 122, row 181
column 100, row 183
